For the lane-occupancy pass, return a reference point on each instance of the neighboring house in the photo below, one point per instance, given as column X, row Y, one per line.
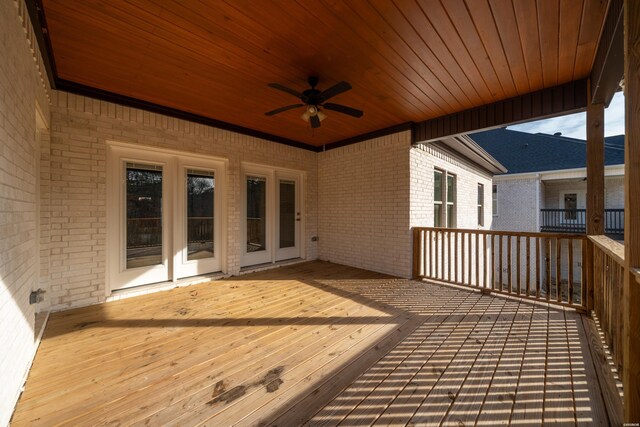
column 545, row 189
column 545, row 186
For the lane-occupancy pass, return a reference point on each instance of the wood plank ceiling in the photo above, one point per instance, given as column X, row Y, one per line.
column 407, row 60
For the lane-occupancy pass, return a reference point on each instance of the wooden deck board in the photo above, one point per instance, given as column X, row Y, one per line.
column 314, row 343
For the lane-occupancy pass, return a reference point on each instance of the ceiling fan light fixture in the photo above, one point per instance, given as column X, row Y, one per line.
column 311, row 111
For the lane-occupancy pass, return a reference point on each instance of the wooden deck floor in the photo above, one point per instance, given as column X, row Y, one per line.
column 314, row 343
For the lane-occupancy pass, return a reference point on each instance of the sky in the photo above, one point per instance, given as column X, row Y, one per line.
column 574, row 125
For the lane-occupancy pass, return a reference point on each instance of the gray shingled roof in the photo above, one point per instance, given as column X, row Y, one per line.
column 522, row 152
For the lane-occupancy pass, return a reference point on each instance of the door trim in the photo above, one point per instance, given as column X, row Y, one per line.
column 117, row 152
column 273, row 173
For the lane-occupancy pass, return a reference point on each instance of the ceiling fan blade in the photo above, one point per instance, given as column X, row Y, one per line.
column 280, row 110
column 285, row 89
column 315, row 122
column 334, row 90
column 343, row 109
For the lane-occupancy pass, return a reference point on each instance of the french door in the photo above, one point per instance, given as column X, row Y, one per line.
column 163, row 218
column 272, row 216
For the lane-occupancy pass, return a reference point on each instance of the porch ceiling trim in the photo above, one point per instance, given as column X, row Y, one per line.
column 567, row 98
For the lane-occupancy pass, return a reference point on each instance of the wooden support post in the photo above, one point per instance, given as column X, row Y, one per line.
column 631, row 318
column 595, row 169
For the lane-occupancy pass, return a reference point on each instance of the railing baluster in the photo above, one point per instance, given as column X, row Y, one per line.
column 538, row 278
column 570, row 275
column 462, row 256
column 518, row 259
column 455, row 251
column 443, row 264
column 509, row 264
column 485, row 278
column 449, row 256
column 547, row 260
column 437, row 266
column 477, row 254
column 493, row 261
column 500, row 260
column 559, row 270
column 470, row 259
column 528, row 255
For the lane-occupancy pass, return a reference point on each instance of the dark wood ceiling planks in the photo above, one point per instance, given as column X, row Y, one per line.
column 408, row 60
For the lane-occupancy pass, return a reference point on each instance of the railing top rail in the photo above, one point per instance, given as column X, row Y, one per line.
column 609, row 246
column 505, row 233
column 577, row 210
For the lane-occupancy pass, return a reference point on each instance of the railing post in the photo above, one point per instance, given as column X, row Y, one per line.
column 417, row 254
column 631, row 291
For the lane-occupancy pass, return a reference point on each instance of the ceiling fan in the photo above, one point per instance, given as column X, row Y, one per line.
column 315, row 100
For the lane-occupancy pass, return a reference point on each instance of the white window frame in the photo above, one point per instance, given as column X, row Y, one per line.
column 480, row 206
column 494, row 199
column 445, row 203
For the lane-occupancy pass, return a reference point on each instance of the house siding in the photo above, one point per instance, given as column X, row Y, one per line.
column 22, row 86
column 80, row 130
column 613, row 192
column 363, row 192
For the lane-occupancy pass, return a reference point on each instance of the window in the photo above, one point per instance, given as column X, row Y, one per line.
column 570, row 206
column 480, row 204
column 437, row 198
column 444, row 199
column 494, row 199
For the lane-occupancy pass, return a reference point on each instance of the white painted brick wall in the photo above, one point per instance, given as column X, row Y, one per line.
column 424, row 160
column 372, row 193
column 363, row 192
column 516, row 204
column 80, row 128
column 21, row 86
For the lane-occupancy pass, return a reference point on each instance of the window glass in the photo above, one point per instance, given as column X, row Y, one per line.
column 144, row 215
column 480, row 204
column 570, row 205
column 200, row 192
column 256, row 214
column 494, row 199
column 451, row 188
column 437, row 186
column 437, row 215
column 287, row 214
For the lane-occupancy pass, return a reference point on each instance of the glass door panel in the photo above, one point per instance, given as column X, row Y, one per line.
column 200, row 208
column 257, row 229
column 139, row 252
column 288, row 215
column 196, row 230
column 256, row 214
column 288, row 219
column 143, row 216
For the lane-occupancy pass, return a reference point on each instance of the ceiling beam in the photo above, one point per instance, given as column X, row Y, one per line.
column 608, row 64
column 563, row 99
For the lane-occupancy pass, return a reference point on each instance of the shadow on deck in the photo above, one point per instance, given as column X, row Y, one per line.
column 315, row 343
